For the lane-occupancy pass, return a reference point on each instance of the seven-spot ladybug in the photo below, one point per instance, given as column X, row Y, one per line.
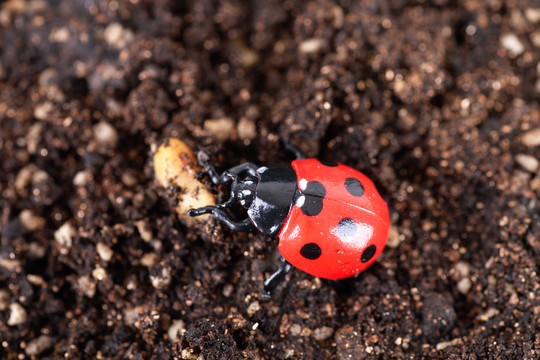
column 330, row 220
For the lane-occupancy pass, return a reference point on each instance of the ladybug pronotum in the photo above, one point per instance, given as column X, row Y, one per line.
column 329, row 218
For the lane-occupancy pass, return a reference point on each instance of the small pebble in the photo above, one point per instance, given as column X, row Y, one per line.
column 65, row 234
column 60, row 35
column 104, row 252
column 531, row 138
column 17, row 314
column 438, row 316
column 528, row 162
column 35, row 279
column 99, row 274
column 144, row 230
column 295, row 330
column 30, row 221
column 82, row 178
column 228, row 290
column 162, row 280
column 39, row 345
column 4, row 299
column 149, row 259
column 464, row 285
column 488, row 314
column 118, row 36
column 394, row 238
column 42, row 111
column 105, row 135
column 322, row 333
column 533, row 15
column 10, row 264
column 253, row 308
column 177, row 328
column 512, row 43
column 311, row 46
column 220, row 129
column 87, row 286
column 246, row 129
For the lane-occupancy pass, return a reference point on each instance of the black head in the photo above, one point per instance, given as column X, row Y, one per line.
column 274, row 195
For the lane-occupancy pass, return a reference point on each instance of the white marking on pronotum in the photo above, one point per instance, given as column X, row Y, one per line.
column 248, row 182
column 300, row 201
column 302, row 183
column 246, row 192
column 262, row 169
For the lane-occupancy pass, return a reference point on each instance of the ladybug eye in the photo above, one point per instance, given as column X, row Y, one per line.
column 310, row 251
column 354, row 187
column 368, row 253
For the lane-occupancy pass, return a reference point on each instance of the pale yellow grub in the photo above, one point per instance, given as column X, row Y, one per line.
column 175, row 165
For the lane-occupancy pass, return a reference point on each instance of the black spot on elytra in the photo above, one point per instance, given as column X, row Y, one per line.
column 329, row 163
column 368, row 253
column 354, row 187
column 313, row 195
column 310, row 251
column 346, row 228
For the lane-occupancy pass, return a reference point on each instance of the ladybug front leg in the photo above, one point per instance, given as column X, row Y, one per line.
column 204, row 159
column 275, row 279
column 221, row 215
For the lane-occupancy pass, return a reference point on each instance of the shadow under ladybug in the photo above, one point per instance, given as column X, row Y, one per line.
column 329, row 218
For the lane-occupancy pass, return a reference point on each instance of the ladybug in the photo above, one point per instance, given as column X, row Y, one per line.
column 329, row 218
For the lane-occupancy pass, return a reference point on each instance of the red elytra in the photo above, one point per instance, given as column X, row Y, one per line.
column 346, row 234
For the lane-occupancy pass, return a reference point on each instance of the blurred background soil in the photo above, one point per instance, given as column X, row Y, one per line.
column 437, row 101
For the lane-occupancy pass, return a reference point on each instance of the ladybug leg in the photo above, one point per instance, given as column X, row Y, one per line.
column 221, row 215
column 290, row 147
column 275, row 279
column 225, row 177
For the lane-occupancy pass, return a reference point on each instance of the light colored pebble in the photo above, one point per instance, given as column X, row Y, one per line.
column 220, row 129
column 488, row 314
column 128, row 179
column 104, row 252
column 462, row 268
column 35, row 279
column 394, row 239
column 99, row 274
column 65, row 234
column 528, row 162
column 33, row 137
column 87, row 286
column 531, row 138
column 444, row 344
column 246, row 129
column 535, row 38
column 36, row 250
column 177, row 328
column 131, row 315
column 512, row 43
column 464, row 285
column 253, row 308
column 162, row 280
column 144, row 230
column 9, row 264
column 31, row 221
column 533, row 15
column 39, row 345
column 118, row 36
column 322, row 333
column 149, row 259
column 82, row 178
column 46, row 77
column 311, row 46
column 105, row 135
column 175, row 165
column 295, row 329
column 23, row 178
column 42, row 111
column 17, row 314
column 228, row 290
column 4, row 299
column 60, row 35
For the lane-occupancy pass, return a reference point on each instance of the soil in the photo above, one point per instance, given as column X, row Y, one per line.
column 437, row 101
